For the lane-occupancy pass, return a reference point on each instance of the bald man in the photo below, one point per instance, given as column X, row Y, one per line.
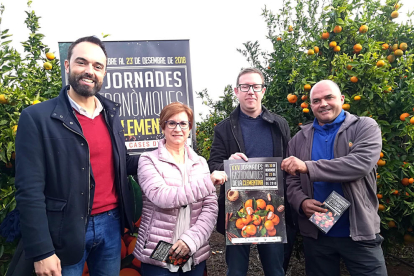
column 338, row 152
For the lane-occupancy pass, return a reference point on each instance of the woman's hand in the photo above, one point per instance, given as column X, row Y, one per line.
column 179, row 249
column 218, row 177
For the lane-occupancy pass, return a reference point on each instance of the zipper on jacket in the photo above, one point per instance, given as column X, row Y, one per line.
column 89, row 165
column 234, row 135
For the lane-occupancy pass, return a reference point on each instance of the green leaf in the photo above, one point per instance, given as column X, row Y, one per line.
column 263, row 232
column 241, row 214
column 262, row 213
column 339, row 21
column 254, row 204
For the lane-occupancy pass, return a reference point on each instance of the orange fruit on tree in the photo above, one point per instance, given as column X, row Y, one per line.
column 270, row 208
column 304, row 98
column 357, row 98
column 3, row 99
column 279, row 38
column 123, row 249
column 337, row 29
column 397, row 6
column 398, row 52
column 381, row 207
column 394, row 14
column 380, row 63
column 129, row 272
column 239, row 223
column 14, row 128
column 316, row 49
column 304, row 105
column 310, row 52
column 385, row 46
column 394, row 47
column 378, row 176
column 136, row 262
column 276, row 220
column 325, row 35
column 405, row 181
column 363, row 29
column 346, row 106
column 290, row 29
column 292, row 98
column 354, row 79
column 403, row 116
column 305, row 110
column 403, row 46
column 35, row 102
column 412, row 120
column 271, row 233
column 381, row 163
column 47, row 65
column 387, row 89
column 394, row 192
column 299, row 124
column 391, row 224
column 349, row 67
column 250, row 230
column 381, row 154
column 332, row 44
column 357, row 48
column 261, row 204
column 131, row 246
column 307, row 87
column 379, row 196
column 391, row 58
column 411, row 180
column 337, row 49
column 50, row 56
column 269, row 225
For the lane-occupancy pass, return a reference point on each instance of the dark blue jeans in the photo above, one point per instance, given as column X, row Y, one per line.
column 102, row 246
column 271, row 256
column 153, row 270
column 361, row 258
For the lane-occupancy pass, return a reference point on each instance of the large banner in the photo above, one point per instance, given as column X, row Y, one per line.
column 144, row 76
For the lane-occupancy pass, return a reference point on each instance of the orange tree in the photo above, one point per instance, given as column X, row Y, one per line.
column 25, row 79
column 358, row 45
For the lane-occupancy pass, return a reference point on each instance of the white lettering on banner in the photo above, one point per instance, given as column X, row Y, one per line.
column 147, row 144
column 143, row 79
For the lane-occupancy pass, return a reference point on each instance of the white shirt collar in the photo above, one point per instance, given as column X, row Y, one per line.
column 83, row 111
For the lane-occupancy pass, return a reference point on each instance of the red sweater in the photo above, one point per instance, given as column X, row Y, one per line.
column 102, row 162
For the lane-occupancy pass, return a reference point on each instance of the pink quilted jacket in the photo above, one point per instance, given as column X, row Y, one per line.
column 163, row 195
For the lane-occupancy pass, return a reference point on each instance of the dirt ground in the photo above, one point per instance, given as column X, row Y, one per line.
column 216, row 265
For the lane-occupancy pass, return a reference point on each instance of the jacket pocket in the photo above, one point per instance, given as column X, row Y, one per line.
column 55, row 213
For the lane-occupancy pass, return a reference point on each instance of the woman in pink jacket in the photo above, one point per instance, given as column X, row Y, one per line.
column 179, row 198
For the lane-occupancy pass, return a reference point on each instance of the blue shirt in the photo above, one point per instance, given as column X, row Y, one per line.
column 257, row 136
column 322, row 148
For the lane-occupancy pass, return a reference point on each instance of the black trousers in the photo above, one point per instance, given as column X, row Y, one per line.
column 362, row 258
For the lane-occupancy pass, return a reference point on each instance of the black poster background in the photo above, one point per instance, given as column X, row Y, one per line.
column 144, row 76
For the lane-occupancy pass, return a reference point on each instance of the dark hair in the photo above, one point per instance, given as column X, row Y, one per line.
column 250, row 71
column 172, row 109
column 90, row 39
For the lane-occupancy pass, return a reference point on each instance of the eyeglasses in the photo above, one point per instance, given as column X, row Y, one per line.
column 255, row 87
column 174, row 124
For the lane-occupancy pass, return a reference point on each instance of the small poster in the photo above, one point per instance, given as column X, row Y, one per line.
column 255, row 211
column 161, row 253
column 336, row 205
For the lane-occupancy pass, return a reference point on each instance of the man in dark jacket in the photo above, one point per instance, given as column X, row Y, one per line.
column 338, row 152
column 250, row 131
column 71, row 173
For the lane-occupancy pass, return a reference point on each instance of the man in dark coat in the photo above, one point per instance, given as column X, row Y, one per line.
column 72, row 192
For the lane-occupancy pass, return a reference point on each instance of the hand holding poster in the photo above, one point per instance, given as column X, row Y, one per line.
column 255, row 211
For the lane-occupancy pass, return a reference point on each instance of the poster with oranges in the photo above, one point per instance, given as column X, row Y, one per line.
column 255, row 210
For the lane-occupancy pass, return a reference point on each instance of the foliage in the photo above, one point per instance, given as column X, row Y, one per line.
column 383, row 93
column 23, row 82
column 219, row 110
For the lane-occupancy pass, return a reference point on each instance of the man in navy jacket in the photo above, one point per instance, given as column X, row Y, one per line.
column 71, row 173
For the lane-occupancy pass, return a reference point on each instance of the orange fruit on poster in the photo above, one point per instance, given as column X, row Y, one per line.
column 269, row 225
column 276, row 220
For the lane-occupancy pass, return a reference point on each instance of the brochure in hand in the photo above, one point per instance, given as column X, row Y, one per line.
column 161, row 253
column 336, row 206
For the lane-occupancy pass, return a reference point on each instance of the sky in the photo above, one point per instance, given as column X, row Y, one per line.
column 215, row 29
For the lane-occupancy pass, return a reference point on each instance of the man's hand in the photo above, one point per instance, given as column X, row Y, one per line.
column 238, row 155
column 291, row 165
column 179, row 249
column 218, row 177
column 48, row 267
column 310, row 206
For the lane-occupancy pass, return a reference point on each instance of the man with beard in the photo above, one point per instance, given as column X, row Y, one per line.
column 338, row 152
column 71, row 173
